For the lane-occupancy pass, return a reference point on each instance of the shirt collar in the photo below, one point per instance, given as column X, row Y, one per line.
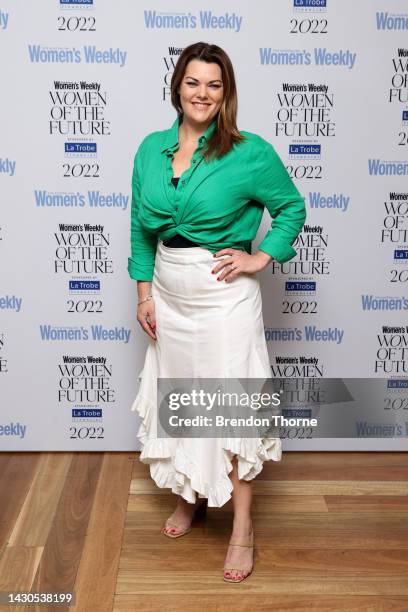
column 171, row 141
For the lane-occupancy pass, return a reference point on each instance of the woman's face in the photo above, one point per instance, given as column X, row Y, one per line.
column 201, row 91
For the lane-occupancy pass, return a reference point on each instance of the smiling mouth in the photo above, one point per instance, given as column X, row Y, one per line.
column 200, row 104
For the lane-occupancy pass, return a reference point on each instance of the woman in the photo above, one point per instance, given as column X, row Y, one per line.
column 198, row 194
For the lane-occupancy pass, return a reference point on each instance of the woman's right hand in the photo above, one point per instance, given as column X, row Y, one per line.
column 146, row 317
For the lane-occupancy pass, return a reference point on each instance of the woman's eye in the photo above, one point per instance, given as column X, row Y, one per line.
column 215, row 86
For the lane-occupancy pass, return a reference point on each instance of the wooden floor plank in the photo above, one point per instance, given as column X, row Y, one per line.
column 96, row 579
column 18, row 566
column 317, row 561
column 141, row 486
column 5, row 459
column 242, row 601
column 280, row 503
column 363, row 503
column 35, row 519
column 318, row 530
column 15, row 481
column 330, row 487
column 63, row 549
column 343, row 459
column 204, row 582
column 339, row 473
column 286, row 503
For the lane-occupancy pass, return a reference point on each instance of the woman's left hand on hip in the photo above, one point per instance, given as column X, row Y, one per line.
column 239, row 262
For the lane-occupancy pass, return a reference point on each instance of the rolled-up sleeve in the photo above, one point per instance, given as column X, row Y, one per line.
column 273, row 187
column 143, row 243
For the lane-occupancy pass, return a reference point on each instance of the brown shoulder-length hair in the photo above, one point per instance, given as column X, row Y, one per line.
column 226, row 133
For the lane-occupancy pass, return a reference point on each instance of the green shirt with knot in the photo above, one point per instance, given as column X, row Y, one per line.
column 217, row 204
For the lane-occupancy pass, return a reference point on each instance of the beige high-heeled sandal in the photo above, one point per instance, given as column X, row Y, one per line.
column 247, row 542
column 200, row 510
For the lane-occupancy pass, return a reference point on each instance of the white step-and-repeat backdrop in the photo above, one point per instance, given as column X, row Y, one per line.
column 83, row 81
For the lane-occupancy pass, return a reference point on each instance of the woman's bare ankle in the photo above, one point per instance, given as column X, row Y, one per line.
column 242, row 525
column 184, row 505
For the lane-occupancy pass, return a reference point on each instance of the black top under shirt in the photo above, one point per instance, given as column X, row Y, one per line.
column 177, row 240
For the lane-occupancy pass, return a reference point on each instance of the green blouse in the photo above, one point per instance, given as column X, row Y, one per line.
column 217, row 204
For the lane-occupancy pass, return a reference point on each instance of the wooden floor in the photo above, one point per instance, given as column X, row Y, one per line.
column 331, row 533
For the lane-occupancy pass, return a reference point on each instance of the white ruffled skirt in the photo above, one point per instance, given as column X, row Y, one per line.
column 205, row 329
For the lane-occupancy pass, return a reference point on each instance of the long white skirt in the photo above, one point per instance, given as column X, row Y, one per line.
column 205, row 329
